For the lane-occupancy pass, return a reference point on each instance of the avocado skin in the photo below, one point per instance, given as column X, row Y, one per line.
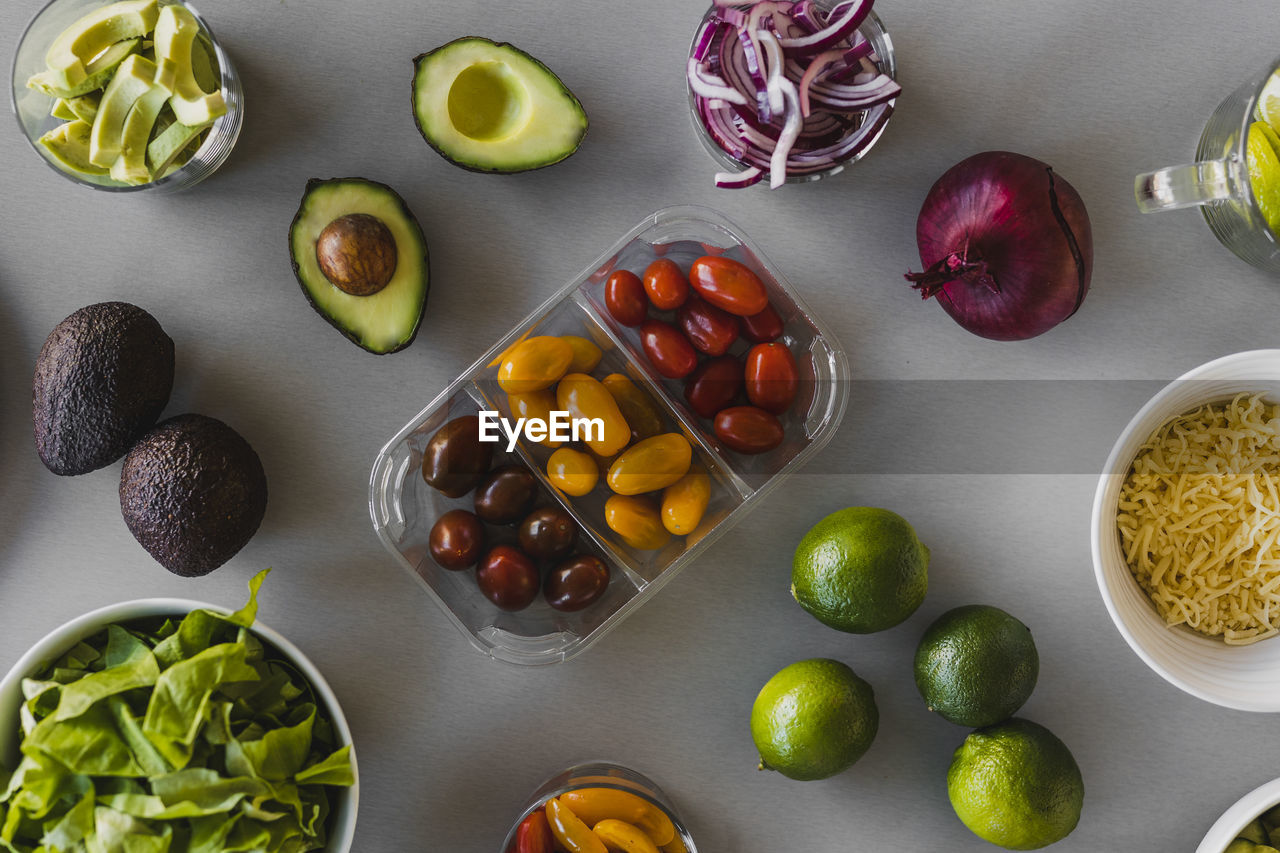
column 101, row 380
column 413, row 108
column 312, row 183
column 193, row 493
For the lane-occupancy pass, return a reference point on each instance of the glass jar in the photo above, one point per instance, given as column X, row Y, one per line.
column 31, row 107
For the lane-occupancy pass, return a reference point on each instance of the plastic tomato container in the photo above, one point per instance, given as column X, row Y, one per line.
column 404, row 507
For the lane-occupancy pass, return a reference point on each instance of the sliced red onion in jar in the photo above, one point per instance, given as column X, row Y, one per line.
column 788, row 88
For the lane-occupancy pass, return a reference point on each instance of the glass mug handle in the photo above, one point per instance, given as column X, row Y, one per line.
column 1189, row 186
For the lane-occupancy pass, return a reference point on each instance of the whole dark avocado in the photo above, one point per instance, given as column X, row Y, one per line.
column 102, row 379
column 192, row 492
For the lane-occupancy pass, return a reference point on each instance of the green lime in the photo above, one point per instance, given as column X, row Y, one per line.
column 1269, row 102
column 1016, row 785
column 860, row 570
column 813, row 719
column 1264, row 174
column 976, row 665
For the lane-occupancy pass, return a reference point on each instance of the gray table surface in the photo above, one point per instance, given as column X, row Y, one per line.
column 451, row 743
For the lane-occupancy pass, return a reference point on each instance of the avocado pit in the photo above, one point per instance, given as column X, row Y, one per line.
column 357, row 254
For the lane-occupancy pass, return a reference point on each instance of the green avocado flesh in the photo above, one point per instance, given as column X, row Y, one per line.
column 145, row 81
column 98, row 72
column 385, row 321
column 68, row 145
column 71, row 55
column 491, row 107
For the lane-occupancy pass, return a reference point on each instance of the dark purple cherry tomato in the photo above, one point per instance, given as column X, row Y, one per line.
column 714, row 385
column 456, row 540
column 772, row 377
column 729, row 285
column 748, row 429
column 504, row 497
column 665, row 284
column 763, row 327
column 625, row 299
column 508, row 578
column 548, row 533
column 576, row 583
column 455, row 459
column 709, row 329
column 668, row 350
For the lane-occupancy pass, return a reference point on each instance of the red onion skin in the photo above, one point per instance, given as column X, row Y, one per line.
column 1013, row 217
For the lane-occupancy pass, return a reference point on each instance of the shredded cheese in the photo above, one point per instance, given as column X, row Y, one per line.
column 1199, row 520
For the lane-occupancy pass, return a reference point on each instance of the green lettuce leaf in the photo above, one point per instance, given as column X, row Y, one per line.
column 87, row 744
column 197, row 631
column 279, row 753
column 74, row 826
column 177, row 707
column 334, row 770
column 137, row 672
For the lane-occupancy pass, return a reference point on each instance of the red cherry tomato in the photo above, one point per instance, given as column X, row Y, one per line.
column 763, row 327
column 747, row 429
column 665, row 284
column 625, row 299
column 533, row 835
column 668, row 350
column 714, row 385
column 709, row 329
column 772, row 377
column 729, row 285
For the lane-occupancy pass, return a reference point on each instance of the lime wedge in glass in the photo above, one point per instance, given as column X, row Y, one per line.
column 1269, row 102
column 1264, row 173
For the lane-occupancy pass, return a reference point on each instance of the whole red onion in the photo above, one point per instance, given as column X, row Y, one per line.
column 1006, row 244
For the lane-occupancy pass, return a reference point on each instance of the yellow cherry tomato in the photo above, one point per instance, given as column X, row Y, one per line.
column 650, row 465
column 637, row 521
column 596, row 804
column 572, row 471
column 535, row 404
column 685, row 501
column 517, row 342
column 636, row 406
column 586, row 355
column 574, row 835
column 620, row 835
column 534, row 364
column 583, row 396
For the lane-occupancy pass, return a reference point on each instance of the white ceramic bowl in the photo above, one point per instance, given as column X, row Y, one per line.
column 1240, row 815
column 342, row 820
column 1242, row 677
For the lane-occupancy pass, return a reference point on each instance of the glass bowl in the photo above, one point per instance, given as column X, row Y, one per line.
column 603, row 774
column 873, row 30
column 31, row 108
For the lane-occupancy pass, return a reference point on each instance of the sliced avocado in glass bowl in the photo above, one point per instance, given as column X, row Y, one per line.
column 361, row 260
column 490, row 107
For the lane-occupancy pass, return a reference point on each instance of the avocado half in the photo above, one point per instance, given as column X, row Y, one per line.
column 387, row 319
column 490, row 107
